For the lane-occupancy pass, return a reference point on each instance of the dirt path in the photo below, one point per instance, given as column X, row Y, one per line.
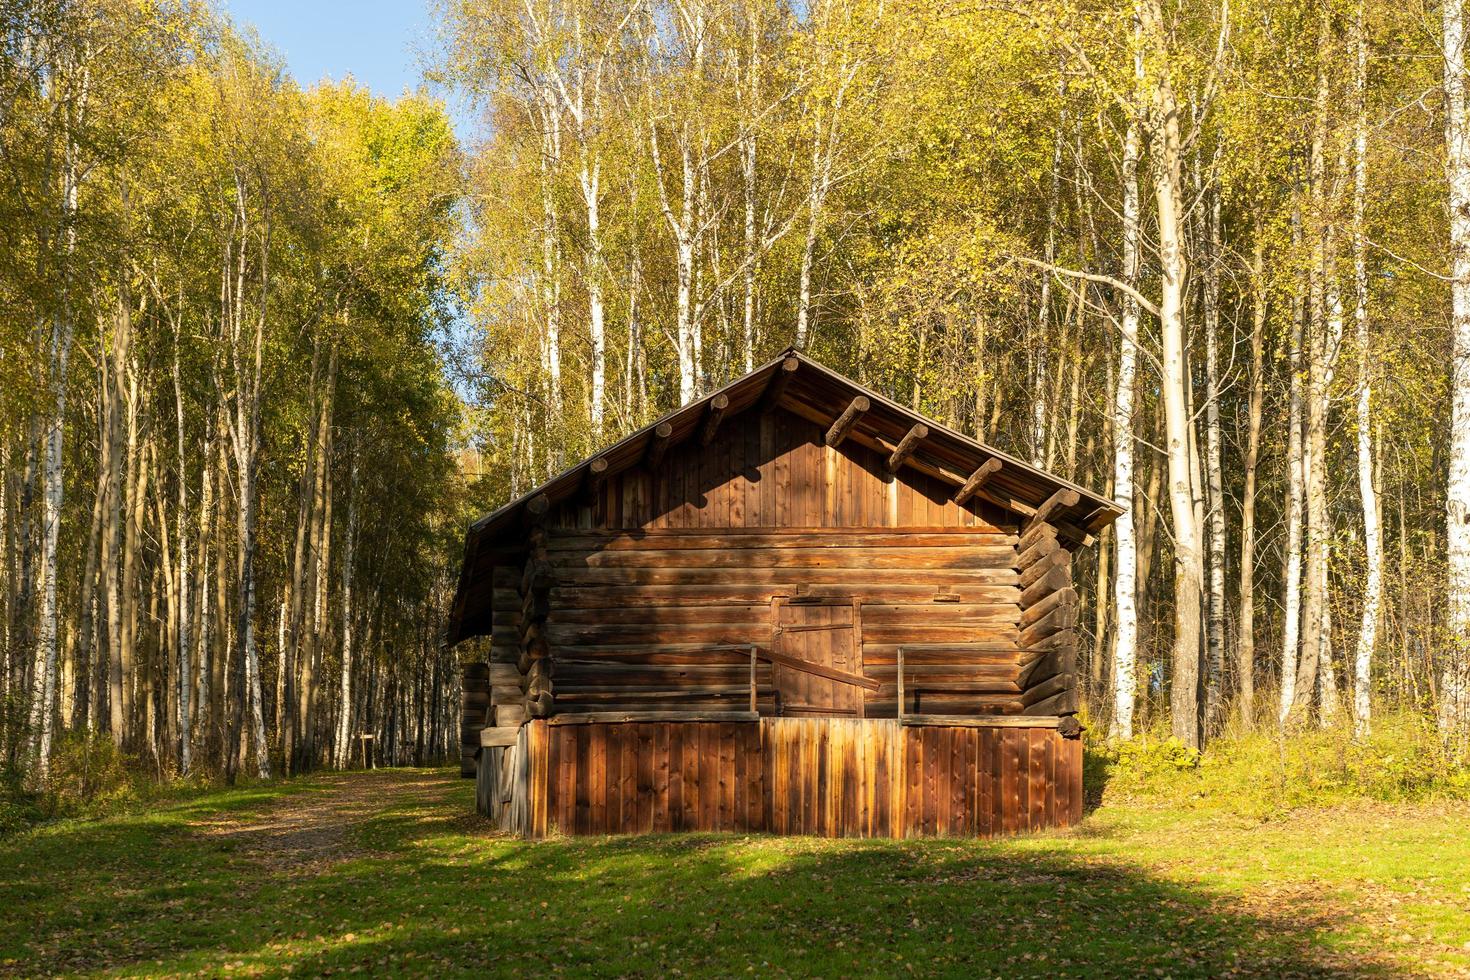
column 305, row 832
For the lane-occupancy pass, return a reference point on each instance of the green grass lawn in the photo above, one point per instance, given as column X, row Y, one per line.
column 391, row 872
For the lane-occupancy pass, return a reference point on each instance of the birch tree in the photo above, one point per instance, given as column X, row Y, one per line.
column 1169, row 208
column 1368, row 493
column 1125, row 580
column 1454, row 694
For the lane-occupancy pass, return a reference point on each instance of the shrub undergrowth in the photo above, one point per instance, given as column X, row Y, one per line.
column 88, row 776
column 1265, row 772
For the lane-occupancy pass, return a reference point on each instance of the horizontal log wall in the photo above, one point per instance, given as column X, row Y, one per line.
column 832, row 777
column 665, row 618
column 475, row 700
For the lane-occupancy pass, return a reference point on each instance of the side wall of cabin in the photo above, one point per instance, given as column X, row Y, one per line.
column 644, row 594
column 664, row 576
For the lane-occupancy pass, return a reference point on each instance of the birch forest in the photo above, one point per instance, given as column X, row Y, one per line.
column 229, row 498
column 1210, row 258
column 267, row 347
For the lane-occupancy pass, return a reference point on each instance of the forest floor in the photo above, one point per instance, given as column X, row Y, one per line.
column 391, row 872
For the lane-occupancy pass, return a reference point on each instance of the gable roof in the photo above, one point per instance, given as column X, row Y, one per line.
column 809, row 389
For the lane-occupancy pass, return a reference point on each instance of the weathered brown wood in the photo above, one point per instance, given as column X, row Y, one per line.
column 1047, row 688
column 658, row 445
column 980, row 721
column 538, row 576
column 666, row 595
column 617, row 717
column 906, row 447
column 850, row 417
column 1059, row 577
column 780, row 381
column 1043, row 548
column 537, row 507
column 820, row 670
column 713, row 415
column 793, row 556
column 656, row 594
column 583, row 539
column 1060, row 618
column 978, row 479
column 1033, row 534
column 536, row 605
column 1039, row 568
column 870, row 579
column 498, row 737
column 1039, row 609
column 1061, row 703
column 1046, row 666
column 965, row 775
column 1058, row 501
column 595, row 479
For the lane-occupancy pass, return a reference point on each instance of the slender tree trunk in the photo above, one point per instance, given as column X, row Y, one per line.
column 748, row 187
column 1188, row 565
column 1037, row 351
column 681, row 227
column 349, row 560
column 551, row 261
column 1325, row 322
column 119, row 698
column 185, row 582
column 1125, row 581
column 1214, row 481
column 1454, row 692
column 294, row 600
column 1295, row 492
column 135, row 498
column 1245, row 640
column 88, row 644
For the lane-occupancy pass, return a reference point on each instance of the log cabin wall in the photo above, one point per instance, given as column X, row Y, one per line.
column 475, row 700
column 663, row 578
column 782, row 561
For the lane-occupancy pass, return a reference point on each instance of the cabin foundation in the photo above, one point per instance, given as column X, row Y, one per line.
column 833, row 777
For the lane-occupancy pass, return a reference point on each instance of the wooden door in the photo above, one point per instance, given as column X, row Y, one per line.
column 821, row 634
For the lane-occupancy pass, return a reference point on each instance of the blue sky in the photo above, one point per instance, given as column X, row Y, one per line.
column 380, row 43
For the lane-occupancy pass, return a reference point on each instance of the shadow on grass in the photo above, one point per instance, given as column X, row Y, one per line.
column 435, row 892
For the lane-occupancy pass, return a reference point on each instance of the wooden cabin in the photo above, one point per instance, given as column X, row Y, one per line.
column 791, row 606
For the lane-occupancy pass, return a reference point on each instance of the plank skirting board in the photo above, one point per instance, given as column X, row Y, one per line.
column 832, row 777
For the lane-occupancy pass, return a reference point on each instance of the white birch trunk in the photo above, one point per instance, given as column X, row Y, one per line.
column 591, row 184
column 1188, row 571
column 551, row 262
column 53, row 473
column 1292, row 602
column 1125, row 581
column 349, row 557
column 1372, row 512
column 681, row 227
column 184, row 680
column 1214, row 482
column 1454, row 694
column 748, row 175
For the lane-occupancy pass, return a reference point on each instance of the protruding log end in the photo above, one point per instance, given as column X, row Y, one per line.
column 978, row 479
column 713, row 416
column 658, row 444
column 907, row 446
column 778, row 384
column 847, row 420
